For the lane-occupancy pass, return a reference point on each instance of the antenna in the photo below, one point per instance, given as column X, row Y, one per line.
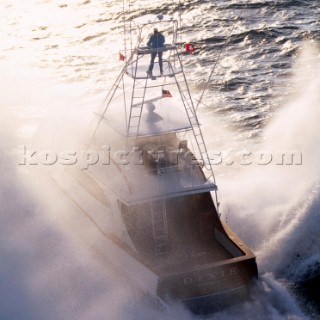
column 124, row 27
column 179, row 12
column 179, row 19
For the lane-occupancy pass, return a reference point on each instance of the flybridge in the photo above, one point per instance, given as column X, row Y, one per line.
column 156, row 106
column 170, row 66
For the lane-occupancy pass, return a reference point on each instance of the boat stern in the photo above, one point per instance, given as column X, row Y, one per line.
column 209, row 287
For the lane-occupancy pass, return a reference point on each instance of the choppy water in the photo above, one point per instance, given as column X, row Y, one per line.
column 57, row 60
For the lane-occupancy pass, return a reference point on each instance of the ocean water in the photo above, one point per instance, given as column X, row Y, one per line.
column 57, row 61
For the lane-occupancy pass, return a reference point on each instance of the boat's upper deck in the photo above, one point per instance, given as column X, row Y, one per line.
column 156, row 167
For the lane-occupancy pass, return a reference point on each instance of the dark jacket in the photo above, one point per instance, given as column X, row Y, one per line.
column 157, row 40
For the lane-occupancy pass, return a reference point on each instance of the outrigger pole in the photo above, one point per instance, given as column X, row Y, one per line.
column 215, row 64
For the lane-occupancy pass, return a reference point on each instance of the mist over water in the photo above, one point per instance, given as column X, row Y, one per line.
column 53, row 262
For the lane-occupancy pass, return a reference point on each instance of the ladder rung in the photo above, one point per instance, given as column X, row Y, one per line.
column 158, row 213
column 159, row 225
column 161, row 245
column 161, row 242
column 160, row 234
column 162, row 249
column 161, row 252
column 160, row 237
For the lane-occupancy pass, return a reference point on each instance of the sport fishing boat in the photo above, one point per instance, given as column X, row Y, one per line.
column 154, row 188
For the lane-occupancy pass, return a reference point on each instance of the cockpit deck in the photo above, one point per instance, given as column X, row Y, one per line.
column 189, row 238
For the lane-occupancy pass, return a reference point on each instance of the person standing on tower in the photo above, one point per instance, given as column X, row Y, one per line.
column 156, row 43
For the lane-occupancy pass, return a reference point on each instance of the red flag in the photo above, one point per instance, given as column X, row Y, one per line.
column 121, row 56
column 166, row 94
column 190, row 47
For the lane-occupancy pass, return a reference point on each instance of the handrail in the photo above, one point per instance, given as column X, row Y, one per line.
column 146, row 49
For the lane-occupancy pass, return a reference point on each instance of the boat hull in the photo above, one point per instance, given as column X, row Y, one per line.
column 210, row 287
column 202, row 285
column 217, row 301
